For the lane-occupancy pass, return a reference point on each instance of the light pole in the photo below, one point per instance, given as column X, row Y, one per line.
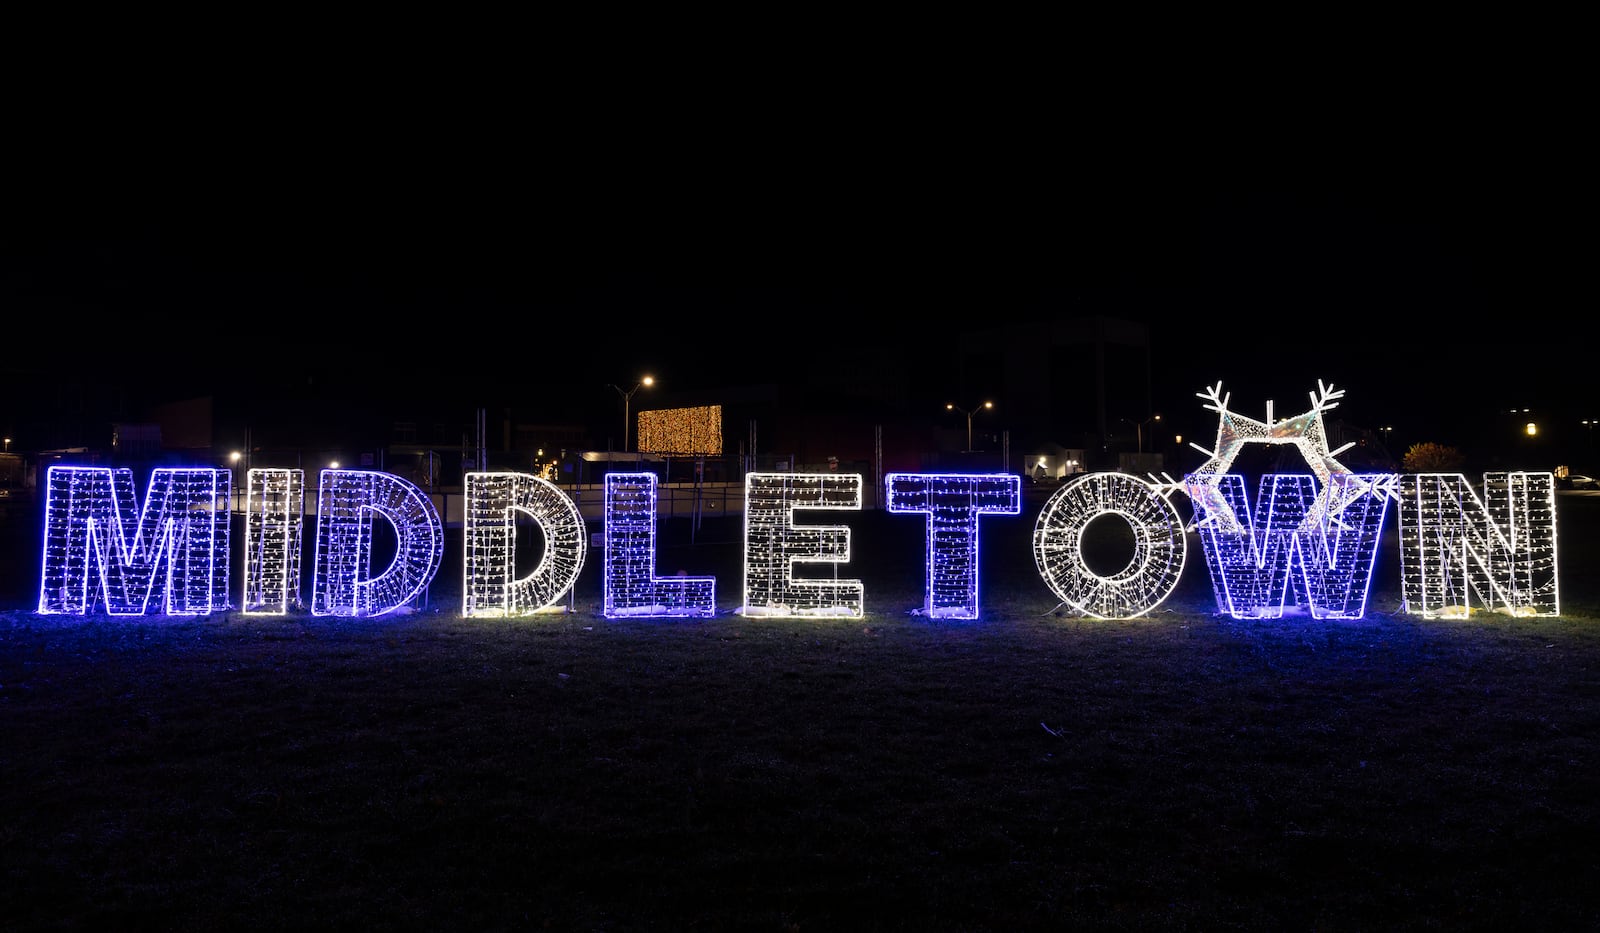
column 1138, row 427
column 627, row 397
column 950, row 407
column 1589, row 423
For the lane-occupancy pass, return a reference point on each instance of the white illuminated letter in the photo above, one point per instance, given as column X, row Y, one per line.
column 630, row 584
column 774, row 544
column 348, row 501
column 274, row 519
column 953, row 502
column 491, row 588
column 94, row 546
column 1158, row 553
column 1455, row 546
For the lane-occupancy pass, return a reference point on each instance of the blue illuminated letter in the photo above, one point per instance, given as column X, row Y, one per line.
column 94, row 546
column 347, row 503
column 953, row 502
column 630, row 582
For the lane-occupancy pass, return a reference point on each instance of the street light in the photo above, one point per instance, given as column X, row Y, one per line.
column 626, row 398
column 950, row 407
column 1138, row 427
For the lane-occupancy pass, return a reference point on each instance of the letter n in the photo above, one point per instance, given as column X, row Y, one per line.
column 1499, row 550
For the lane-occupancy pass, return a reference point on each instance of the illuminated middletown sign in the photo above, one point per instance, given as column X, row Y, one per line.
column 1309, row 540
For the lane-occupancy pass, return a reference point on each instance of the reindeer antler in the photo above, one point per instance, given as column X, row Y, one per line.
column 1219, row 402
column 1325, row 397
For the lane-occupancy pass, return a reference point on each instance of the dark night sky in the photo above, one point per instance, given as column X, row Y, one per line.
column 1396, row 275
column 1278, row 203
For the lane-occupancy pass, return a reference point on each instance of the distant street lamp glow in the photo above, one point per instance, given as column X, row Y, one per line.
column 1138, row 427
column 627, row 397
column 950, row 407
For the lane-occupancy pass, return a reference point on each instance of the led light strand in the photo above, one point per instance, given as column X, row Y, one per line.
column 774, row 545
column 630, row 586
column 348, row 501
column 1499, row 550
column 953, row 502
column 1276, row 559
column 1160, row 545
column 274, row 520
column 95, row 546
column 1305, row 431
column 490, row 587
column 681, row 431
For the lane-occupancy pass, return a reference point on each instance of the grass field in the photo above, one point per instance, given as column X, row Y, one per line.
column 1028, row 771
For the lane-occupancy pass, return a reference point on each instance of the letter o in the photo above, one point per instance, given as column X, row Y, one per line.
column 1160, row 546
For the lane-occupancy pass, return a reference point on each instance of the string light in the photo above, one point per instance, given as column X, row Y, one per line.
column 1159, row 548
column 490, row 586
column 99, row 544
column 681, row 431
column 1311, row 539
column 273, row 521
column 348, row 502
column 630, row 586
column 774, row 545
column 1499, row 551
column 1260, row 564
column 953, row 502
column 1234, row 432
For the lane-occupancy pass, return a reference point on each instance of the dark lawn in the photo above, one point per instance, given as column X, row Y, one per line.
column 1031, row 770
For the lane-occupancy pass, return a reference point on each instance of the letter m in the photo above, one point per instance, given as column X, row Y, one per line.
column 100, row 546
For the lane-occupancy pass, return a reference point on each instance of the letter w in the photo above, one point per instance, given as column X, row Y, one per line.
column 1303, row 545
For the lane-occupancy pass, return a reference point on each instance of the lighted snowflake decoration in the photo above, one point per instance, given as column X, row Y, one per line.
column 1310, row 539
column 1305, row 431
